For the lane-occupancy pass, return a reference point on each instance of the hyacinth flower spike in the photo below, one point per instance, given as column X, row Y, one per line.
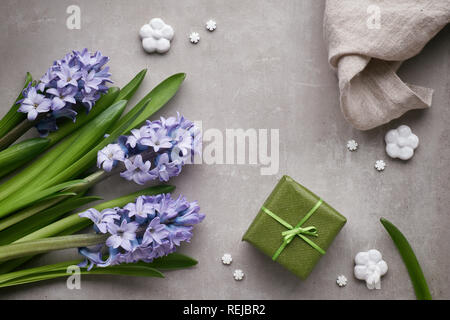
column 149, row 228
column 78, row 79
column 157, row 150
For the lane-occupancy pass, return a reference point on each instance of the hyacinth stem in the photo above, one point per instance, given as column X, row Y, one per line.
column 26, row 248
column 9, row 138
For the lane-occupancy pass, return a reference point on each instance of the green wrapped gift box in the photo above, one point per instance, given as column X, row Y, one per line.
column 294, row 227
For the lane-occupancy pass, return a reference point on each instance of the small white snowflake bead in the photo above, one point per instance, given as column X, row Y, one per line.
column 238, row 274
column 352, row 145
column 341, row 281
column 380, row 165
column 211, row 25
column 194, row 37
column 227, row 259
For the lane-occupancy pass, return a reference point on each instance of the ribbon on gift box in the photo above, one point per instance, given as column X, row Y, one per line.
column 290, row 234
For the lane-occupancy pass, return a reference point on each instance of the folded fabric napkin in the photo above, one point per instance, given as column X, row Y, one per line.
column 367, row 42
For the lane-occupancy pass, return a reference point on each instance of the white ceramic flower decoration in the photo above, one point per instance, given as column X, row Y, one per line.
column 370, row 267
column 341, row 281
column 401, row 142
column 238, row 274
column 156, row 36
column 227, row 259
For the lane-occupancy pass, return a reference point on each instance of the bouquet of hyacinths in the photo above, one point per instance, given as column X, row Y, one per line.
column 52, row 181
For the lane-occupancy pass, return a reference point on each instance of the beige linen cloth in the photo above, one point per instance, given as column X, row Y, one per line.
column 367, row 52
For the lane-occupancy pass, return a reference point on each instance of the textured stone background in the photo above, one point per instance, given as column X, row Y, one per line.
column 264, row 67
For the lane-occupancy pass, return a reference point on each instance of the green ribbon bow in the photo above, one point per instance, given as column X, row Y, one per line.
column 290, row 234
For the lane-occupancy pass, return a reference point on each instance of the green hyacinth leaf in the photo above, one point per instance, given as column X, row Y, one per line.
column 60, row 270
column 158, row 97
column 129, row 90
column 44, row 218
column 409, row 258
column 142, row 269
column 172, row 261
column 10, row 205
column 36, row 176
column 87, row 138
column 16, row 155
column 89, row 158
column 15, row 184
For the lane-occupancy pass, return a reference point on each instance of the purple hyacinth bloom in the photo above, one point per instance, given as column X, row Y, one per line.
column 121, row 236
column 169, row 209
column 93, row 257
column 91, row 82
column 68, row 75
column 169, row 123
column 103, row 75
column 157, row 139
column 165, row 169
column 48, row 123
column 109, row 155
column 62, row 96
column 45, row 80
column 89, row 99
column 84, row 57
column 137, row 170
column 155, row 233
column 100, row 219
column 136, row 254
column 197, row 143
column 184, row 141
column 190, row 216
column 34, row 103
column 136, row 135
column 87, row 59
column 179, row 234
column 139, row 209
column 65, row 113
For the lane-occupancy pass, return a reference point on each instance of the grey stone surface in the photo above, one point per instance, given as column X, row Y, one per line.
column 264, row 67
